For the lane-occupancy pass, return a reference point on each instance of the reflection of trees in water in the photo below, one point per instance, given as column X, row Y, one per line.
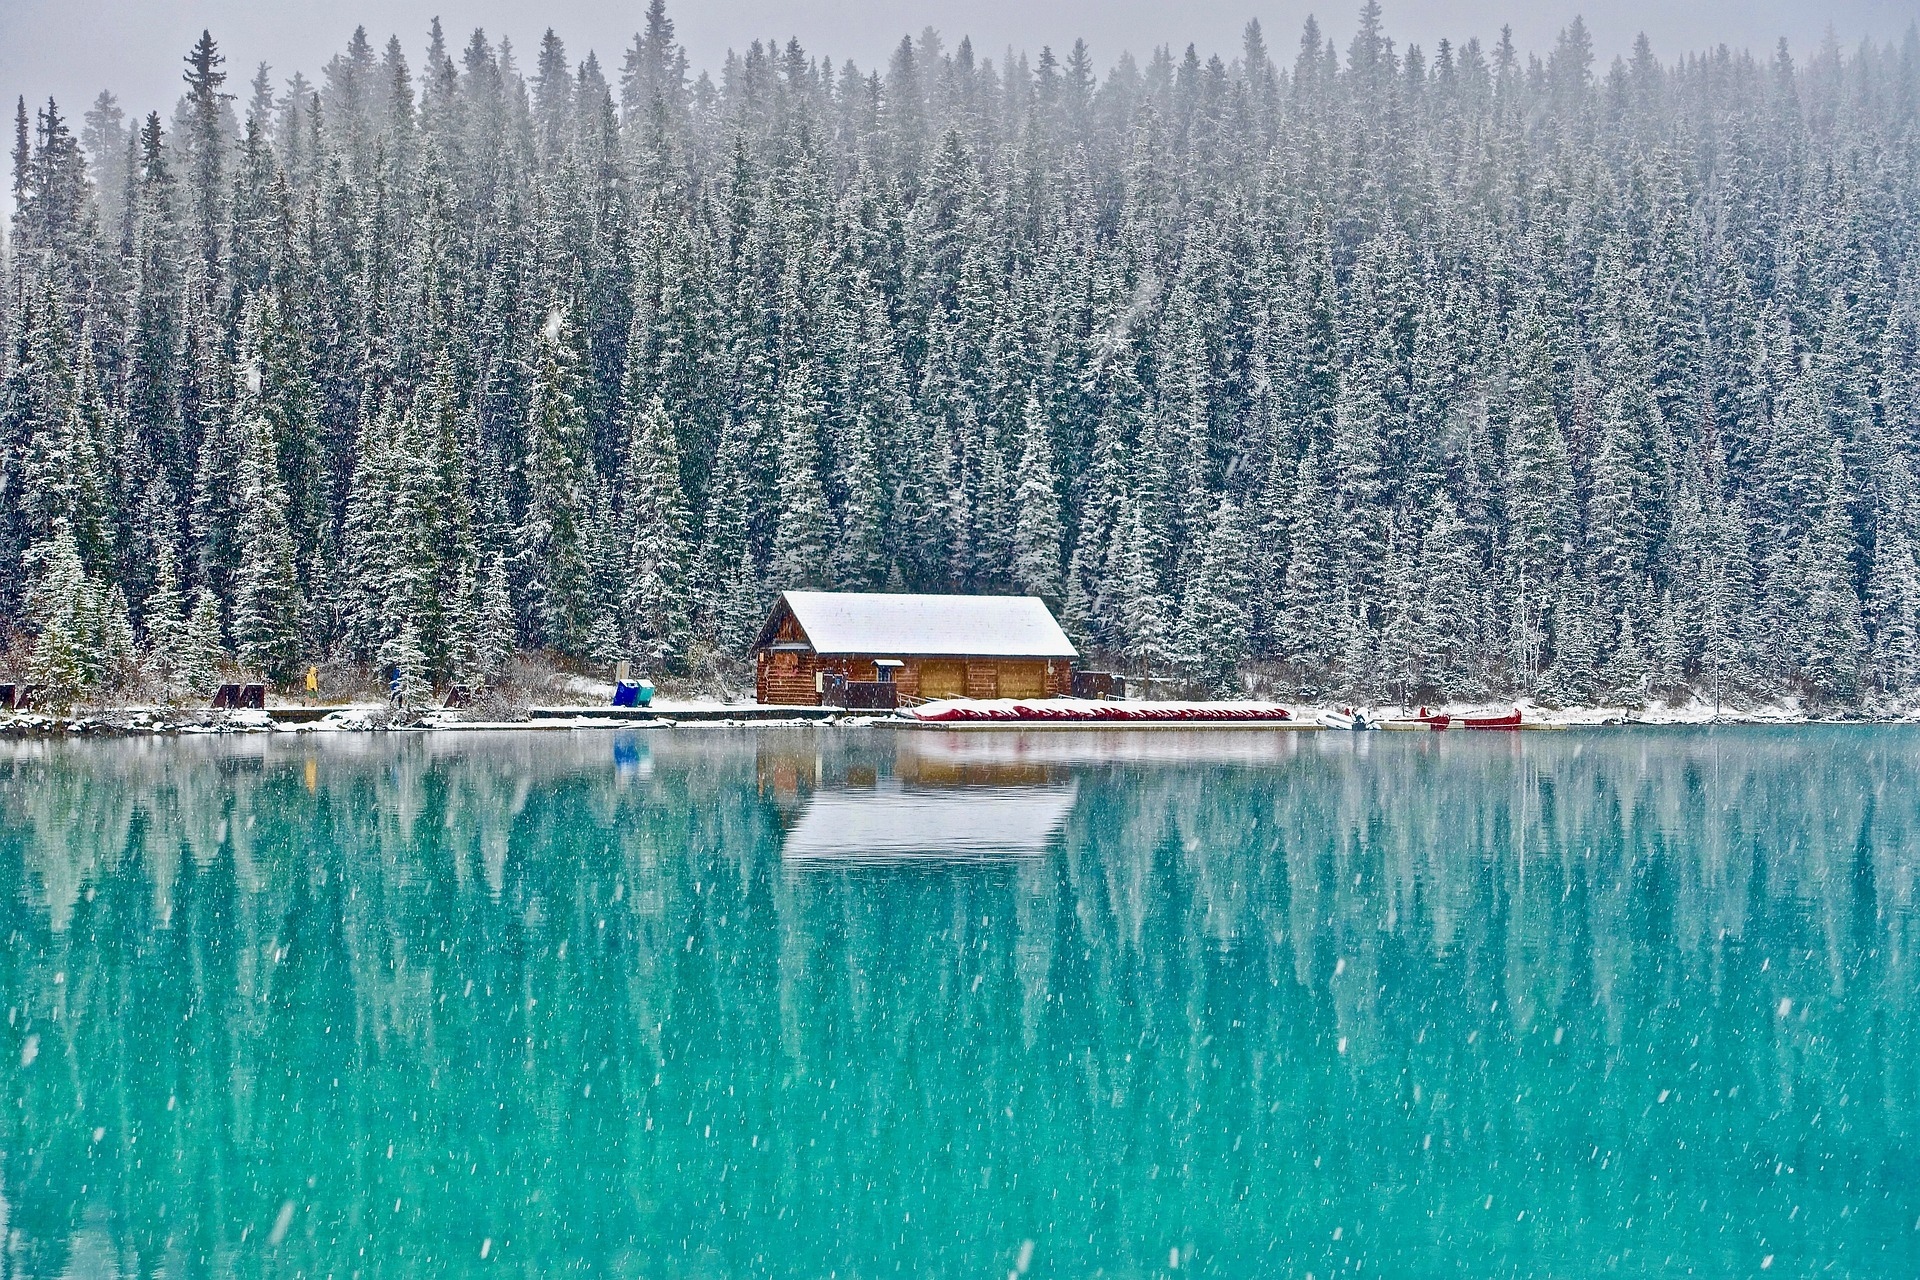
column 1359, row 986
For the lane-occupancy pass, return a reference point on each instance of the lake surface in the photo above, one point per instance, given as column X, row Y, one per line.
column 861, row 1003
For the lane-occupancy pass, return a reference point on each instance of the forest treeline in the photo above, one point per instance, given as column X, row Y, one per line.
column 1395, row 372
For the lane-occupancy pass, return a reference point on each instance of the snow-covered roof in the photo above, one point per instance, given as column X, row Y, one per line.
column 890, row 625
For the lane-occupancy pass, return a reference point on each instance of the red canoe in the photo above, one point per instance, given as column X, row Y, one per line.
column 1065, row 711
column 1435, row 720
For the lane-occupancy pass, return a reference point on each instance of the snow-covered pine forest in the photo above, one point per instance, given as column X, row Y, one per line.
column 1379, row 373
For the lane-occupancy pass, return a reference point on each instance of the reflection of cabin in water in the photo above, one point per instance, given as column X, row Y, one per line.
column 928, row 646
column 893, row 822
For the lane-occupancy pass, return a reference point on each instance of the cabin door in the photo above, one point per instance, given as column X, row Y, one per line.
column 943, row 678
column 1023, row 679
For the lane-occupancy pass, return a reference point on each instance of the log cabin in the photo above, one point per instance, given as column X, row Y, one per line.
column 929, row 646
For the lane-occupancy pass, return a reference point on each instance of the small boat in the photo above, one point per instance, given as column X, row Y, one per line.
column 1347, row 718
column 1436, row 720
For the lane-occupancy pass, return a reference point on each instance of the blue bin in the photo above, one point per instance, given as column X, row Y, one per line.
column 633, row 693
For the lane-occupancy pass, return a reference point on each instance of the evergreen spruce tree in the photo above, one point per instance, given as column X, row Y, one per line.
column 803, row 534
column 653, row 578
column 1616, row 526
column 266, row 611
column 165, row 624
column 1403, row 643
column 989, row 541
column 1894, row 605
column 462, row 664
column 213, row 518
column 1357, row 673
column 1893, row 587
column 61, row 466
column 207, row 145
column 62, row 610
column 1269, row 520
column 1092, row 609
column 1447, row 578
column 493, row 641
column 442, row 556
column 1356, row 473
column 860, row 558
column 1571, row 679
column 1214, row 626
column 1539, row 485
column 205, row 648
column 1311, row 621
column 1725, row 604
column 1627, row 671
column 557, row 536
column 152, row 389
column 729, row 580
column 1832, row 638
column 1144, row 608
column 1037, row 529
column 1667, row 654
column 119, row 655
column 410, row 688
column 281, row 390
column 372, row 533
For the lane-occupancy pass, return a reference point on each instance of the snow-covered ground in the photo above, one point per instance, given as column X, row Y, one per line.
column 1694, row 712
column 586, row 690
column 590, row 698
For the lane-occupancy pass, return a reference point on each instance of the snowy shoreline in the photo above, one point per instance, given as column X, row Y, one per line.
column 370, row 717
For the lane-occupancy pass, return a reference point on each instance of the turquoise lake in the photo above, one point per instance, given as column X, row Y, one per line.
column 854, row 1003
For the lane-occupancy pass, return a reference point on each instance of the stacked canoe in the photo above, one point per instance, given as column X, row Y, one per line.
column 1071, row 711
column 1068, row 712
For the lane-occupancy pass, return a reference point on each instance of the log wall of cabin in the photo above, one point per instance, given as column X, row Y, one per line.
column 788, row 677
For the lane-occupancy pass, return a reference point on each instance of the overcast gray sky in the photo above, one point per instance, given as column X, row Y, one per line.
column 74, row 48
